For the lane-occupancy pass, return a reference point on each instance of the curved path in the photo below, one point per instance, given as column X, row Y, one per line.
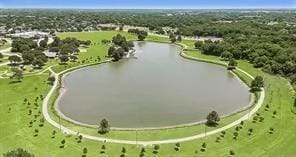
column 2, row 64
column 96, row 138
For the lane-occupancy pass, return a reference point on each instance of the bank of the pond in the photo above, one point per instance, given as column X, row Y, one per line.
column 82, row 72
column 124, row 132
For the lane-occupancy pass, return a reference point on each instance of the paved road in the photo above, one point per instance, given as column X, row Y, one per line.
column 69, row 131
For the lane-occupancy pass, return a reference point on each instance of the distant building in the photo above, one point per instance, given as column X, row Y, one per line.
column 3, row 30
column 272, row 23
column 50, row 54
column 33, row 34
column 107, row 25
column 127, row 27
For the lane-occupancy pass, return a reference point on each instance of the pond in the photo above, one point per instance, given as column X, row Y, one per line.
column 156, row 88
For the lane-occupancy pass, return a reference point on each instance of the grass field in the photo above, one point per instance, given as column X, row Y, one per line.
column 6, row 45
column 273, row 134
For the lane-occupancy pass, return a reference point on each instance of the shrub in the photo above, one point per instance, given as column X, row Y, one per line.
column 156, row 147
column 123, row 150
column 204, row 145
column 231, row 152
column 85, row 150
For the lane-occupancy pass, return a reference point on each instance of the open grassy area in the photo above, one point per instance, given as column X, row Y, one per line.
column 273, row 128
column 95, row 51
column 4, row 59
column 6, row 45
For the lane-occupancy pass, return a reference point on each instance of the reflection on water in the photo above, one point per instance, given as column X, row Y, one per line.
column 157, row 89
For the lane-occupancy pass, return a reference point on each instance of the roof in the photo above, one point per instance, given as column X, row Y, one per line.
column 50, row 54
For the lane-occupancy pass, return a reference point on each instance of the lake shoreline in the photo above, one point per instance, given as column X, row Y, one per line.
column 63, row 90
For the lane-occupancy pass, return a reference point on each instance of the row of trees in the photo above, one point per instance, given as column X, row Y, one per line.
column 194, row 23
column 141, row 34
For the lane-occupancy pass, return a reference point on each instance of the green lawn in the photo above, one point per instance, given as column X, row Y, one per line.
column 16, row 132
column 4, row 59
column 6, row 45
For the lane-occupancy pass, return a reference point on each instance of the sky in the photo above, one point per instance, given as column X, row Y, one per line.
column 148, row 4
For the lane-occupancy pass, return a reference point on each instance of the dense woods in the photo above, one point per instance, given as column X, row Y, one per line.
column 264, row 38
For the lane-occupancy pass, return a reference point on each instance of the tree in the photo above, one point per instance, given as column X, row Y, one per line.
column 64, row 59
column 87, row 42
column 118, row 40
column 104, row 127
column 235, row 134
column 213, row 118
column 43, row 43
column 63, row 142
column 130, row 44
column 250, row 131
column 257, row 83
column 179, row 39
column 142, row 35
column 17, row 74
column 231, row 152
column 156, row 149
column 123, row 150
column 118, row 54
column 22, row 45
column 67, row 49
column 121, row 27
column 173, row 38
column 19, row 152
column 198, row 44
column 111, row 50
column 84, row 150
column 125, row 46
column 204, row 145
column 56, row 42
column 38, row 63
column 28, row 57
column 53, row 133
column 226, row 55
column 14, row 59
column 232, row 64
column 260, row 61
column 177, row 146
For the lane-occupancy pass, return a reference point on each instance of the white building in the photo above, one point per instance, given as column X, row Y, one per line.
column 50, row 54
column 33, row 34
column 3, row 30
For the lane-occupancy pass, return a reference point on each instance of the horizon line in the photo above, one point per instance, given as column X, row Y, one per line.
column 152, row 7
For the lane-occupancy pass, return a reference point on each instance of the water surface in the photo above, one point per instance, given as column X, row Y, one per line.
column 158, row 88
